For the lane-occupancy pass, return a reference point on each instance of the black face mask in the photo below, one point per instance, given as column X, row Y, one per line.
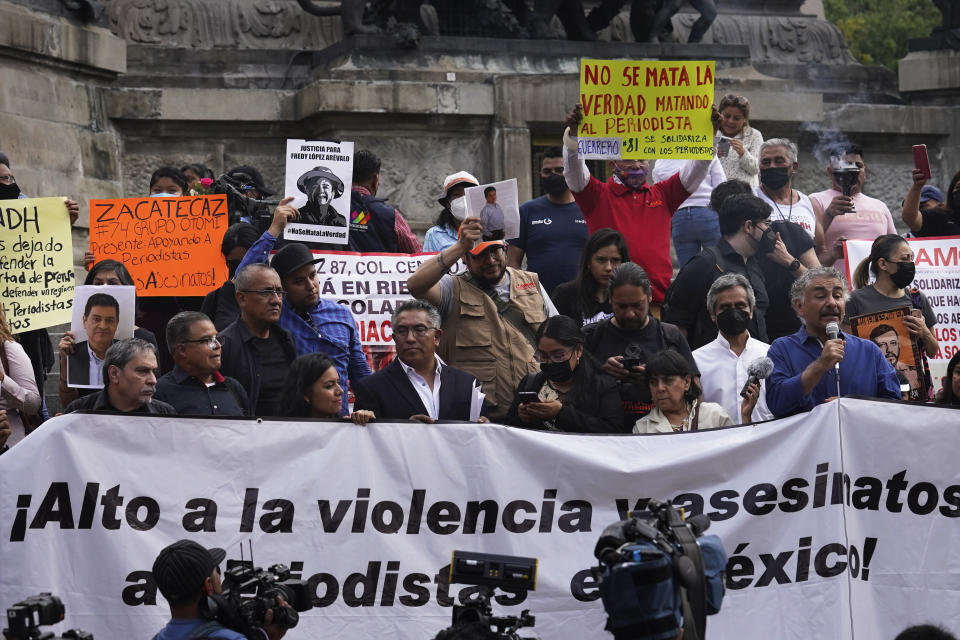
column 733, row 322
column 766, row 243
column 774, row 177
column 553, row 185
column 904, row 275
column 557, row 371
column 9, row 191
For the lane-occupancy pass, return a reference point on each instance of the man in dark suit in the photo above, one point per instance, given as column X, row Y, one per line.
column 417, row 385
column 84, row 360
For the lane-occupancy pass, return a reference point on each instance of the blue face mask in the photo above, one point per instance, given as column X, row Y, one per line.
column 164, row 195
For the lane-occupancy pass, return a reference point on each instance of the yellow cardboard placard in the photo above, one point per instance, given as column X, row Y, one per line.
column 638, row 109
column 36, row 263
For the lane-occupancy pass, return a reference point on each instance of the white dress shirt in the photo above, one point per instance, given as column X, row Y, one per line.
column 430, row 397
column 96, row 368
column 723, row 373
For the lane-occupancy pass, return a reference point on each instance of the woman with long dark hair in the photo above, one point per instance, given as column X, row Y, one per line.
column 570, row 393
column 676, row 399
column 586, row 299
column 313, row 390
column 891, row 262
column 19, row 395
column 951, row 384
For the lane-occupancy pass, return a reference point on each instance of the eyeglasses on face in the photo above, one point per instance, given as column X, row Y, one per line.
column 419, row 331
column 561, row 355
column 8, row 179
column 266, row 294
column 213, row 341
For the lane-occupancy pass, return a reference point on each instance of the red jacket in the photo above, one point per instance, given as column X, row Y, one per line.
column 642, row 216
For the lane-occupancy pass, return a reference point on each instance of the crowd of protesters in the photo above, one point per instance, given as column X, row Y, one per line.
column 585, row 321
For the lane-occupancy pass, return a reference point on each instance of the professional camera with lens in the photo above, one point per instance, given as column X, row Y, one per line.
column 512, row 573
column 25, row 618
column 241, row 208
column 248, row 592
column 658, row 573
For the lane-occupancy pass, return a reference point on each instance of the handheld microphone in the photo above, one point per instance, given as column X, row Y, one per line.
column 833, row 332
column 759, row 369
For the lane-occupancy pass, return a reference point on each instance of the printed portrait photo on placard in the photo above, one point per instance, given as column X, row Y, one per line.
column 318, row 177
column 887, row 330
column 497, row 206
column 101, row 316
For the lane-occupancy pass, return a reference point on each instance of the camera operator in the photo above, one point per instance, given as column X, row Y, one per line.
column 187, row 574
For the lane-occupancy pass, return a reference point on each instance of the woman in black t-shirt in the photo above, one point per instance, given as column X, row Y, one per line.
column 891, row 261
column 586, row 298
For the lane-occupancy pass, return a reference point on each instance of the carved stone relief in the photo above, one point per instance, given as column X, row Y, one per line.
column 248, row 24
column 788, row 40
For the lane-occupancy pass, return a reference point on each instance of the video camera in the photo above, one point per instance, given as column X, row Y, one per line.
column 248, row 592
column 492, row 571
column 658, row 572
column 25, row 618
column 241, row 208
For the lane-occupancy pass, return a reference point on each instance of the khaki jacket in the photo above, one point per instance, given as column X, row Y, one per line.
column 477, row 340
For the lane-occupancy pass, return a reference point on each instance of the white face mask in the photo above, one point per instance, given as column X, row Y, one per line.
column 459, row 208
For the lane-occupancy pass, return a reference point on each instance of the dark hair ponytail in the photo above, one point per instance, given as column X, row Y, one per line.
column 882, row 247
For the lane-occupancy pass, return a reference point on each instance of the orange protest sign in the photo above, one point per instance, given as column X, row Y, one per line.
column 171, row 246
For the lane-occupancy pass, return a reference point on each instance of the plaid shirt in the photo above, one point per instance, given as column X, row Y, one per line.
column 329, row 329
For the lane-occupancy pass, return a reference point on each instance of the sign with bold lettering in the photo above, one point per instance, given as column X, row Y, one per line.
column 371, row 285
column 36, row 263
column 817, row 513
column 171, row 246
column 938, row 277
column 646, row 109
column 318, row 178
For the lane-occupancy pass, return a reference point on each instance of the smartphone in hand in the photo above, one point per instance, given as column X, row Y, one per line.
column 528, row 396
column 921, row 161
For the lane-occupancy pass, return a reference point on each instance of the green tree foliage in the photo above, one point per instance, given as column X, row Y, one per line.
column 878, row 30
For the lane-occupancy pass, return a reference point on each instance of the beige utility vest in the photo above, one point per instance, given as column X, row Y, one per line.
column 476, row 339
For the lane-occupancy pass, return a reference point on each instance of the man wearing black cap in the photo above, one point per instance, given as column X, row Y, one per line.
column 316, row 325
column 322, row 187
column 490, row 314
column 186, row 573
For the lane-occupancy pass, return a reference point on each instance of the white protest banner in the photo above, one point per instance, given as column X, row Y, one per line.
column 938, row 277
column 839, row 523
column 318, row 177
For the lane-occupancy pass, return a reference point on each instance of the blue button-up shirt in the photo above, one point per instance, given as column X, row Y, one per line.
column 335, row 334
column 864, row 371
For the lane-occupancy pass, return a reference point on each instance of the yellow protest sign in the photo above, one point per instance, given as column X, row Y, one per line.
column 36, row 263
column 645, row 109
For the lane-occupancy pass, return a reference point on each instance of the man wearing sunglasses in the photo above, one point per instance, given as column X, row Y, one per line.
column 417, row 385
column 552, row 228
column 256, row 350
column 196, row 387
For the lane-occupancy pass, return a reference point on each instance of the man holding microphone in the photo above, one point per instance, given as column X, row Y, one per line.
column 819, row 363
